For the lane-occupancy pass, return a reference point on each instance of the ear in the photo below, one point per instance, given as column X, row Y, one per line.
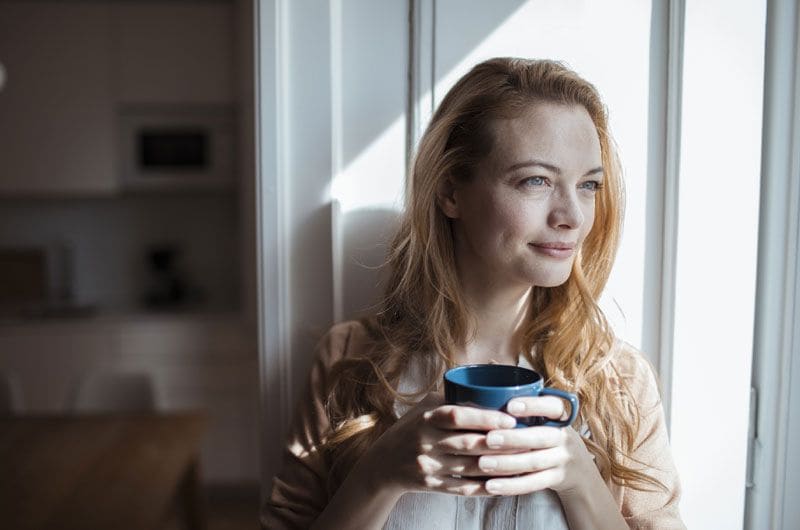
column 446, row 198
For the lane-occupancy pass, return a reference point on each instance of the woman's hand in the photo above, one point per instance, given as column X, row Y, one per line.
column 436, row 447
column 535, row 458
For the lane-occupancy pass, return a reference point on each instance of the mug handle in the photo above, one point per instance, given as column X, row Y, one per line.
column 568, row 396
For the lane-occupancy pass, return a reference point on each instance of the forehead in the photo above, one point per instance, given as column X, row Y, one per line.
column 563, row 135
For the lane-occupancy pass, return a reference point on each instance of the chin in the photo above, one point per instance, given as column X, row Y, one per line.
column 551, row 282
column 550, row 278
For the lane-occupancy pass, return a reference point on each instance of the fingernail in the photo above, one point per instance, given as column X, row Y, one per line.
column 507, row 422
column 516, row 406
column 487, row 463
column 494, row 439
column 494, row 487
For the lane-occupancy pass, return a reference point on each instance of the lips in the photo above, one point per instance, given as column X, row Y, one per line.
column 554, row 249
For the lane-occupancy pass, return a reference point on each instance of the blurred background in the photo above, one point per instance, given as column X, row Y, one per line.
column 128, row 344
column 192, row 191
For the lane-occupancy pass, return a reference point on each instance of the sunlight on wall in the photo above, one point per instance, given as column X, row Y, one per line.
column 372, row 180
column 617, row 63
column 367, row 197
column 717, row 250
column 576, row 33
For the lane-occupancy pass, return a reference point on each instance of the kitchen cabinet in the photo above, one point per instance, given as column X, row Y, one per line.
column 73, row 68
column 56, row 106
column 173, row 52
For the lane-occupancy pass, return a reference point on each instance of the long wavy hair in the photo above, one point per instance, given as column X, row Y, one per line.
column 423, row 317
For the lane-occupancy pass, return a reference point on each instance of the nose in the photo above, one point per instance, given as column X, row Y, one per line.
column 565, row 212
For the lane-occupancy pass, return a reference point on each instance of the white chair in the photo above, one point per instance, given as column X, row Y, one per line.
column 11, row 399
column 115, row 392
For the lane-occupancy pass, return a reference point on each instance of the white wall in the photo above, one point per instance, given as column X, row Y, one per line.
column 331, row 131
column 368, row 50
column 334, row 125
column 322, row 146
column 716, row 260
column 617, row 63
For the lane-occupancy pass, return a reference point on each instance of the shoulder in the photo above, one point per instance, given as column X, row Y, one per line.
column 629, row 368
column 343, row 340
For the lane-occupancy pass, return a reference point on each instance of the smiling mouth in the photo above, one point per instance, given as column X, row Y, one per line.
column 554, row 250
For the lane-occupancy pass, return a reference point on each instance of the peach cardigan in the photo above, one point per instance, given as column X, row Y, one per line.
column 299, row 491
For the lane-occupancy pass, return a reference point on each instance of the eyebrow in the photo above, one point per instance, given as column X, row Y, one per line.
column 549, row 167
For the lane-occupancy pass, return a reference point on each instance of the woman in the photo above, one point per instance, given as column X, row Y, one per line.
column 507, row 241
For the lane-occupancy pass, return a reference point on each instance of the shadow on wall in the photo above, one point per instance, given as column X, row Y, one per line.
column 376, row 35
column 373, row 96
column 367, row 236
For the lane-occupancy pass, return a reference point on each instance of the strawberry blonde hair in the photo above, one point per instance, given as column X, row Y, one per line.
column 423, row 316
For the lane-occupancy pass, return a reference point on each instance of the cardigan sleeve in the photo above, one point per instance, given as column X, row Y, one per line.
column 299, row 490
column 654, row 509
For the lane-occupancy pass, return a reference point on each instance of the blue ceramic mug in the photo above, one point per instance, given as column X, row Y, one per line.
column 492, row 386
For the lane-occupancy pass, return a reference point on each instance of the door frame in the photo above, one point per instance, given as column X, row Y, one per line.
column 774, row 478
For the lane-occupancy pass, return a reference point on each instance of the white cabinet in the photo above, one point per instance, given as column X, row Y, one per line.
column 173, row 52
column 56, row 108
column 73, row 67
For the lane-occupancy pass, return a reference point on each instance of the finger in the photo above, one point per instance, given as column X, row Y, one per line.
column 522, row 463
column 468, row 443
column 450, row 466
column 524, row 484
column 456, row 486
column 547, row 406
column 461, row 466
column 526, row 439
column 456, row 417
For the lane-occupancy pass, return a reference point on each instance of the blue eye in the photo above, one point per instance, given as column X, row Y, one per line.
column 590, row 185
column 534, row 181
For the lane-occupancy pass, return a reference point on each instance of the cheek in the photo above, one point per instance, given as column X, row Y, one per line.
column 508, row 213
column 512, row 220
column 588, row 218
column 492, row 215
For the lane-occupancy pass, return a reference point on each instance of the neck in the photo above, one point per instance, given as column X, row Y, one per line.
column 499, row 314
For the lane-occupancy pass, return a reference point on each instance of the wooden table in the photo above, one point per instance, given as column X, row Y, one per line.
column 99, row 471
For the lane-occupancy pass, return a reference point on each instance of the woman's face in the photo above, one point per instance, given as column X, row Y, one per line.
column 525, row 212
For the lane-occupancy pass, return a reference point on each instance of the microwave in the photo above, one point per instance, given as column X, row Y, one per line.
column 176, row 146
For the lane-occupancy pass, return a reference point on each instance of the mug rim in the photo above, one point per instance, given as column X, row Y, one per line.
column 491, row 388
